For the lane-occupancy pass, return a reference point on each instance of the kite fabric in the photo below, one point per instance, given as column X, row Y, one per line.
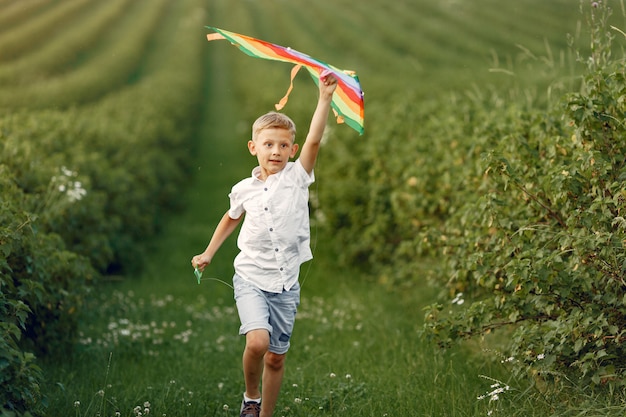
column 347, row 101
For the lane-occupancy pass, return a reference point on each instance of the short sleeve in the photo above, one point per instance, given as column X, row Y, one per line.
column 236, row 209
column 304, row 178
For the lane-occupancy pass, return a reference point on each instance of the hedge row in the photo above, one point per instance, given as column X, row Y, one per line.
column 63, row 51
column 81, row 187
column 111, row 63
column 513, row 207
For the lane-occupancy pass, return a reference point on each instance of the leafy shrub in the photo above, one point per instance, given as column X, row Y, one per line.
column 80, row 189
column 523, row 203
column 540, row 251
column 17, row 370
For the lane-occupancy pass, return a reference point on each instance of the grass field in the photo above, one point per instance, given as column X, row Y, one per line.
column 158, row 343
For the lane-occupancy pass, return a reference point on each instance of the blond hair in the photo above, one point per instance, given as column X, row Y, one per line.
column 273, row 120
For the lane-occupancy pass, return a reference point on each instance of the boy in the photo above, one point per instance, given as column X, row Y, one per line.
column 274, row 241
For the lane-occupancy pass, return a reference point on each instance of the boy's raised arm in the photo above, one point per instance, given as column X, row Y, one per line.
column 311, row 146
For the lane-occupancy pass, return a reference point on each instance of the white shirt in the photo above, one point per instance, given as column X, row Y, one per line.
column 275, row 236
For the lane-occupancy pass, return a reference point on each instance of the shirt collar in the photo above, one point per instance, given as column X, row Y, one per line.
column 256, row 175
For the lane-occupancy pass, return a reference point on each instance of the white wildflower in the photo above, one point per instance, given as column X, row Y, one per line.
column 458, row 299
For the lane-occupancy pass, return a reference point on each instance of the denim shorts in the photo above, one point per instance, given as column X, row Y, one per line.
column 274, row 312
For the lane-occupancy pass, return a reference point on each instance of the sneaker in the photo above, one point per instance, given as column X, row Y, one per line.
column 250, row 409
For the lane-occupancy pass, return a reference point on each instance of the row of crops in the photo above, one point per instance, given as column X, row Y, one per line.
column 465, row 102
column 98, row 103
column 511, row 200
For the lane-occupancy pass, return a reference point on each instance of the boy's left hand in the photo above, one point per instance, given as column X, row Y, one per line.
column 200, row 262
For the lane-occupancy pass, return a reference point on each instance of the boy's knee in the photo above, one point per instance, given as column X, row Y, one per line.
column 274, row 360
column 257, row 342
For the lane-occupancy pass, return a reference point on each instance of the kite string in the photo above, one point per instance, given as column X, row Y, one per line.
column 218, row 280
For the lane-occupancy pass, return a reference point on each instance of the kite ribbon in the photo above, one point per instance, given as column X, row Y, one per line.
column 294, row 72
column 347, row 102
column 283, row 101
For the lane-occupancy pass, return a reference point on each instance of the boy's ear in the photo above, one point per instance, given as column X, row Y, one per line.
column 252, row 147
column 294, row 150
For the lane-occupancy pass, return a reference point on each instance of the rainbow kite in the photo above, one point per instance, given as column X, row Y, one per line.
column 347, row 101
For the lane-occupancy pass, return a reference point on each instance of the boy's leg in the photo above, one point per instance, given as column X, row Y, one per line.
column 282, row 318
column 257, row 362
column 267, row 321
column 257, row 343
column 254, row 315
column 272, row 380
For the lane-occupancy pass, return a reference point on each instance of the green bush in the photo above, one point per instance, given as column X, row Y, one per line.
column 539, row 253
column 82, row 187
column 521, row 199
column 18, row 374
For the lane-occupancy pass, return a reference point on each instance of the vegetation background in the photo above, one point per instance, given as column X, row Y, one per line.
column 122, row 131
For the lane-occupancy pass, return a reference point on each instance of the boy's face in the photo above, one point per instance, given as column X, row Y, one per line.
column 273, row 148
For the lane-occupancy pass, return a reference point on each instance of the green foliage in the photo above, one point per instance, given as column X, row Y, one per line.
column 521, row 198
column 114, row 61
column 61, row 52
column 29, row 33
column 82, row 186
column 19, row 375
column 42, row 287
column 539, row 251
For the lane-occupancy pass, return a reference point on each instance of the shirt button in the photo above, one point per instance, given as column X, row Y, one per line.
column 271, row 229
column 265, row 189
column 281, row 268
column 276, row 250
column 266, row 209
